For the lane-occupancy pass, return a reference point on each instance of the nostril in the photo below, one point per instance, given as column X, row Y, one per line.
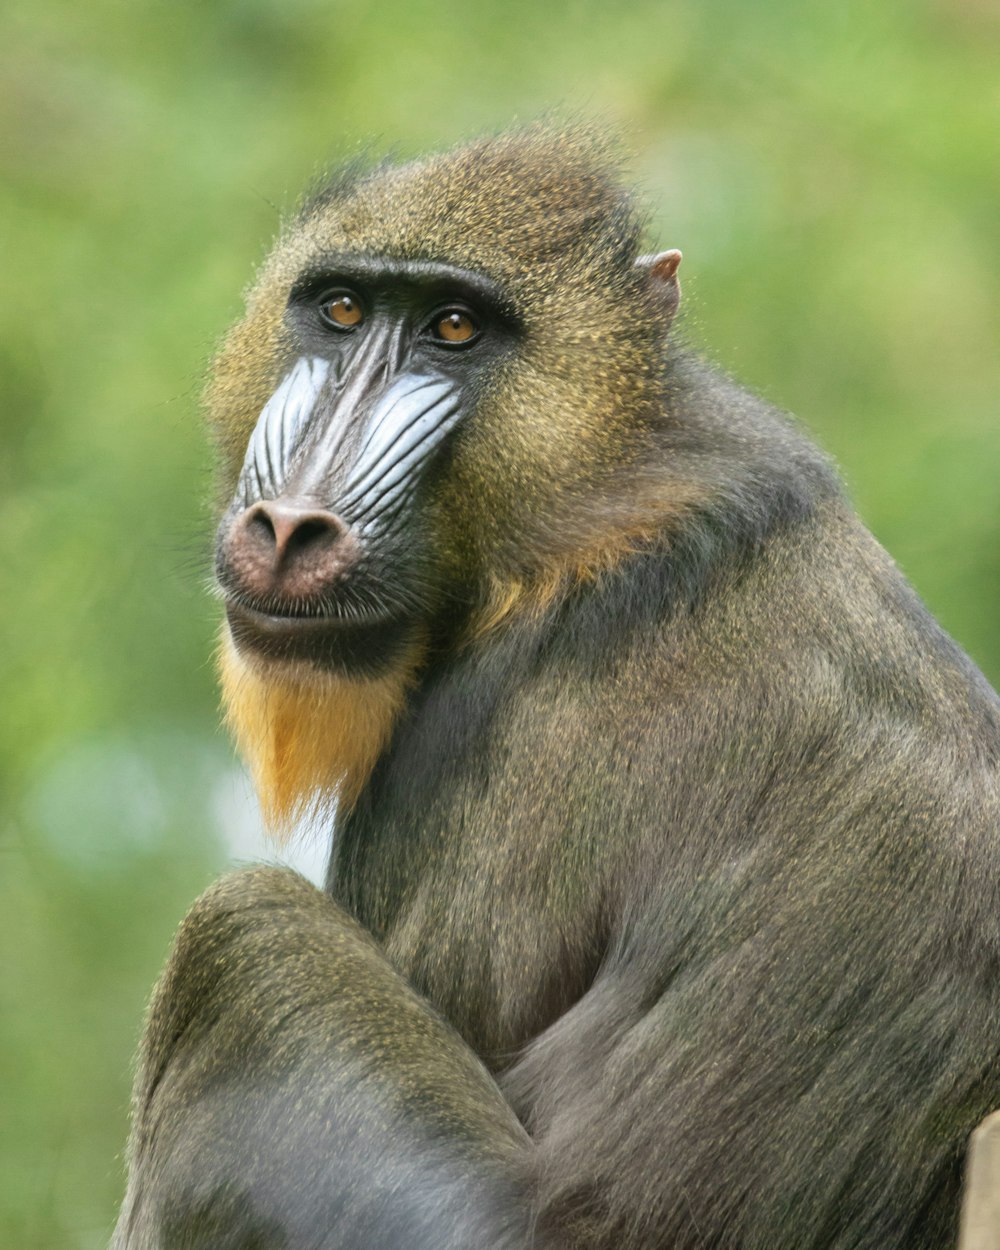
column 311, row 531
column 259, row 524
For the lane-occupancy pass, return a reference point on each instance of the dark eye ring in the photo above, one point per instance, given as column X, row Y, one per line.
column 341, row 310
column 455, row 326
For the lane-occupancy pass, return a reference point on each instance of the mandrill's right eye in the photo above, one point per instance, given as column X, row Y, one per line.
column 341, row 310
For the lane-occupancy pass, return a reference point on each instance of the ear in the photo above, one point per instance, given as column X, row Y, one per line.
column 660, row 269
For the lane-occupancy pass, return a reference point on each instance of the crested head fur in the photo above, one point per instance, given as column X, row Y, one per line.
column 540, row 210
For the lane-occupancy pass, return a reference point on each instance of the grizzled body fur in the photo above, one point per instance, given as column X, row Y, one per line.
column 663, row 906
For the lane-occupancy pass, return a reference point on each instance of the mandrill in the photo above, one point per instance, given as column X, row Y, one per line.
column 663, row 910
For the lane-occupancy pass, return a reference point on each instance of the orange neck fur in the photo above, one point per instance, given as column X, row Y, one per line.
column 309, row 738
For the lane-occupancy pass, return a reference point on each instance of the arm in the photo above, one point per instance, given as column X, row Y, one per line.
column 294, row 1091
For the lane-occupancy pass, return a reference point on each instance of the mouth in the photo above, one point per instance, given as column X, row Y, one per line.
column 358, row 642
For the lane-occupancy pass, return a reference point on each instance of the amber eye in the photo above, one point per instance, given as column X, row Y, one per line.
column 342, row 310
column 455, row 325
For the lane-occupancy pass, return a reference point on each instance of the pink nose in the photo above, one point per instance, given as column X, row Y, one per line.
column 289, row 548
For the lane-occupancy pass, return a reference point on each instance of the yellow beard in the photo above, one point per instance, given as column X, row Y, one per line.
column 309, row 738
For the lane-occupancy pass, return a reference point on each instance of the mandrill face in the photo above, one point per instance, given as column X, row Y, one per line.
column 322, row 554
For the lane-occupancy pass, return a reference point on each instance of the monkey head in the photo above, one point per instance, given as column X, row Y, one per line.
column 430, row 413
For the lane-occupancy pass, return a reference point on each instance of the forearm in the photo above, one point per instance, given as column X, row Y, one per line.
column 293, row 1089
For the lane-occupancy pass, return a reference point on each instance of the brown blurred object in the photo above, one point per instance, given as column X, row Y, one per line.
column 980, row 1225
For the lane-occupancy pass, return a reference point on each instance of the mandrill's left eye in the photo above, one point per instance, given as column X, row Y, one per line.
column 454, row 327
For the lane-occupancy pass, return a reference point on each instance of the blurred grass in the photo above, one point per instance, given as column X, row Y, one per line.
column 832, row 175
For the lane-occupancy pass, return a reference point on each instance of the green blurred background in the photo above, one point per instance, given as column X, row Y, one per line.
column 830, row 171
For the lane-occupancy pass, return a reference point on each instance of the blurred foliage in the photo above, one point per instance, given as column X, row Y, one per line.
column 831, row 172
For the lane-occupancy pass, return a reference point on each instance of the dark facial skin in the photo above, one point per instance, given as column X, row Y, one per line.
column 315, row 554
